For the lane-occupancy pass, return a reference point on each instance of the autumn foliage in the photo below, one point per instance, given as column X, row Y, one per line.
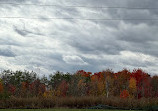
column 132, row 89
column 124, row 94
column 123, row 84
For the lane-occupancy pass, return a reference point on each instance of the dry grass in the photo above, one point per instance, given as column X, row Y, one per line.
column 75, row 102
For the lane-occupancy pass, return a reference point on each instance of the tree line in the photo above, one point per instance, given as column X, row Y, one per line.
column 122, row 84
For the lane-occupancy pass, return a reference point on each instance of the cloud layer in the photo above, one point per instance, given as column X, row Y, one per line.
column 45, row 45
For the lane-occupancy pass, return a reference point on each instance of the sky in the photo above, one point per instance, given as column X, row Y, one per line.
column 47, row 45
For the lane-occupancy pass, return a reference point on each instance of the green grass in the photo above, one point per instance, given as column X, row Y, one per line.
column 60, row 110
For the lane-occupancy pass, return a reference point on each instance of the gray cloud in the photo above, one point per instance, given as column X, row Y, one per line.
column 45, row 45
column 4, row 1
column 7, row 53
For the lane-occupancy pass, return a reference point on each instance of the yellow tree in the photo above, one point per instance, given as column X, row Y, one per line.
column 82, row 87
column 101, row 87
column 94, row 85
column 132, row 86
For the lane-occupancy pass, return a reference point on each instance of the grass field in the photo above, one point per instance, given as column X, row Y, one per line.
column 60, row 110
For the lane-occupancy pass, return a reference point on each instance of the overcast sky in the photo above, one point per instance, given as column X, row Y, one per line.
column 47, row 45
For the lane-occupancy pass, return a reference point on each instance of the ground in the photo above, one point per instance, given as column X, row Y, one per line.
column 59, row 110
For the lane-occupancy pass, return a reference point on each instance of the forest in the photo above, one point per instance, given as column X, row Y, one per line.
column 19, row 89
